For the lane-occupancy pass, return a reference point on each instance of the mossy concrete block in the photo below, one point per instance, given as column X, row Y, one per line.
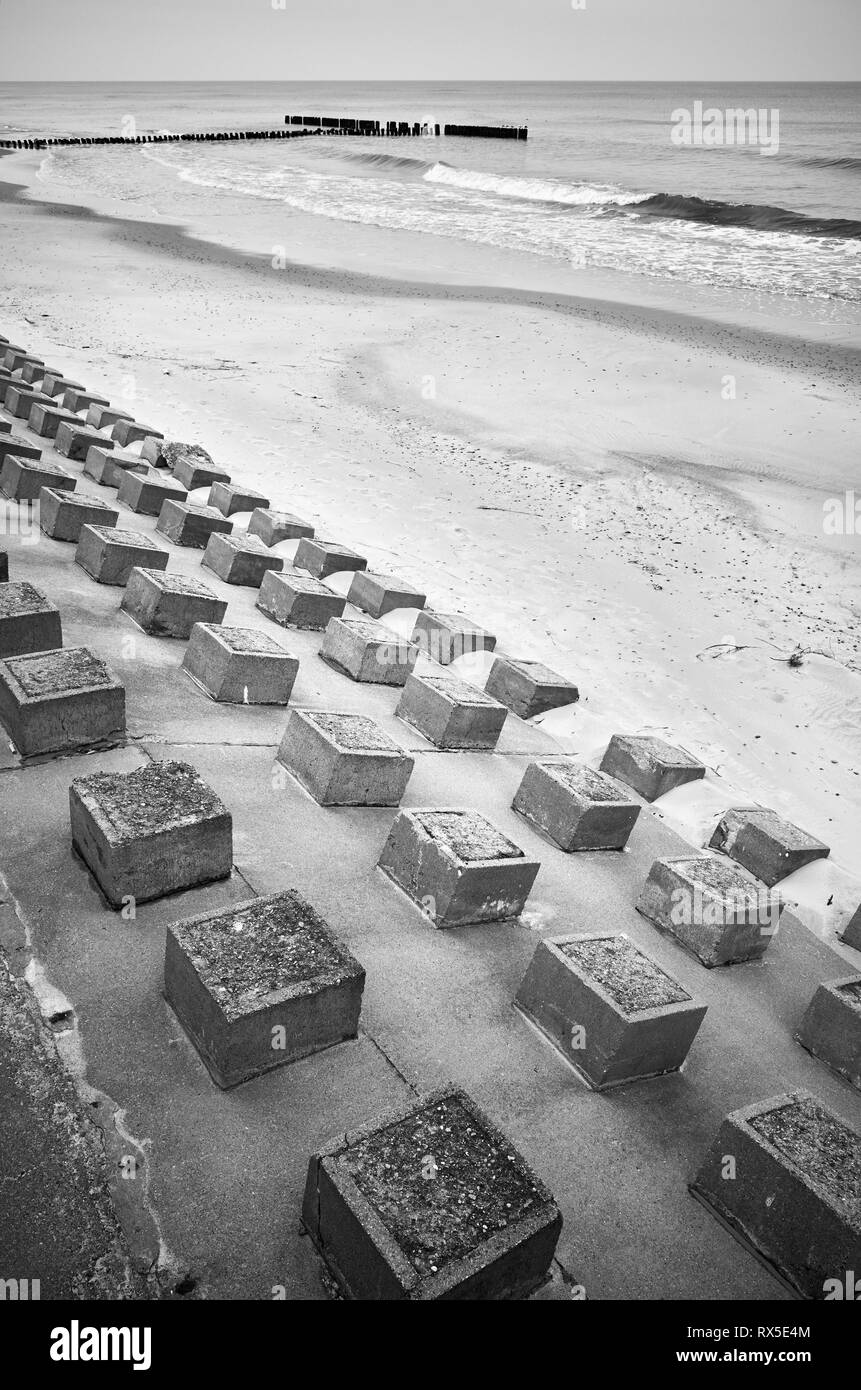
column 77, row 400
column 272, row 527
column 22, row 479
column 379, row 594
column 831, row 1027
column 322, row 558
column 261, row 984
column 109, row 554
column 457, row 867
column 575, row 806
column 45, row 420
column 240, row 559
column 650, row 765
column 63, row 514
column 609, row 1008
column 230, row 499
column 785, row 1176
column 169, row 605
column 57, row 384
column 61, row 702
column 296, row 600
column 446, row 636
column 29, row 622
column 240, row 666
column 126, row 432
column 153, row 831
column 765, row 844
column 718, row 911
column 102, row 417
column 108, row 466
column 74, row 441
column 146, row 493
column 529, row 688
column 344, row 759
column 21, row 448
column 192, row 466
column 450, row 713
column 186, row 524
column 430, row 1201
column 368, row 652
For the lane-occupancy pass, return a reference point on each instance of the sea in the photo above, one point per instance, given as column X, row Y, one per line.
column 656, row 180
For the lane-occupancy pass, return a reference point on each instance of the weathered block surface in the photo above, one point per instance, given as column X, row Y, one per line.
column 22, row 479
column 795, row 1189
column 169, row 605
column 28, row 621
column 146, row 493
column 577, row 807
column 109, row 554
column 831, row 1027
column 74, row 441
column 649, row 765
column 56, row 384
column 102, row 417
column 230, row 499
column 240, row 559
column 60, row 702
column 296, row 600
column 192, row 466
column 77, row 400
column 127, row 432
column 344, row 759
column 190, row 525
column 457, row 867
column 260, row 985
column 765, row 844
column 63, row 514
column 272, row 527
column 108, row 466
column 45, row 420
column 481, row 1227
column 378, row 594
column 718, row 911
column 451, row 713
column 446, row 636
column 150, row 832
column 322, row 558
column 368, row 652
column 529, row 688
column 609, row 1008
column 21, row 448
column 240, row 665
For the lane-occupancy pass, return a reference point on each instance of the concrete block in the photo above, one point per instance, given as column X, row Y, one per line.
column 446, row 636
column 75, row 440
column 296, row 600
column 272, row 527
column 18, row 357
column 108, row 466
column 852, row 930
column 146, row 493
column 831, row 1027
column 5, row 427
column 102, row 417
column 476, row 1225
column 21, row 448
column 368, row 652
column 169, row 605
column 765, row 844
column 529, row 688
column 34, row 371
column 4, row 567
column 192, row 466
column 77, row 400
column 45, row 420
column 153, row 831
column 575, row 806
column 260, row 985
column 63, row 514
column 109, row 554
column 791, row 1190
column 57, row 384
column 457, row 867
column 22, row 479
column 127, row 432
column 29, row 622
column 378, row 594
column 239, row 559
column 609, row 1008
column 718, row 911
column 451, row 713
column 61, row 702
column 20, row 401
column 240, row 666
column 322, row 558
column 344, row 759
column 190, row 525
column 649, row 765
column 230, row 499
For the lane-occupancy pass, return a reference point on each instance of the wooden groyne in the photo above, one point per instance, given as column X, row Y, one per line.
column 351, row 125
column 162, row 138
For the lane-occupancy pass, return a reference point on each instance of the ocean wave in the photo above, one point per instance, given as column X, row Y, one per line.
column 383, row 161
column 760, row 218
column 530, row 190
column 838, row 161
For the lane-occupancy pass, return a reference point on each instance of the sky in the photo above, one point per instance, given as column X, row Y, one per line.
column 401, row 40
